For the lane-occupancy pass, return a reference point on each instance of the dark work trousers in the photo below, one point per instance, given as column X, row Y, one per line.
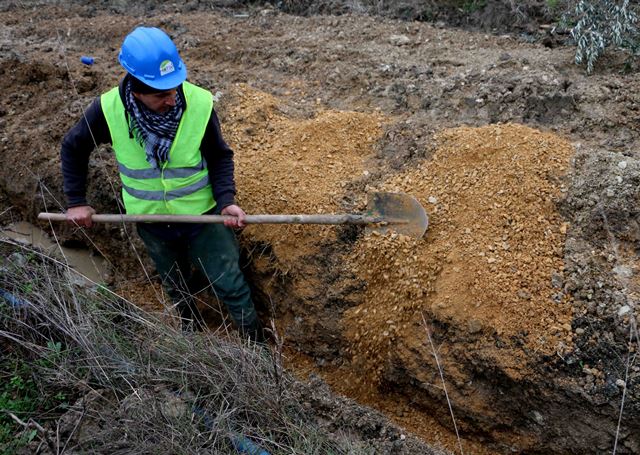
column 214, row 251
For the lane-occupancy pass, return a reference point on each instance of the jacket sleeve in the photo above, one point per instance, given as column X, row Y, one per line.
column 219, row 158
column 89, row 132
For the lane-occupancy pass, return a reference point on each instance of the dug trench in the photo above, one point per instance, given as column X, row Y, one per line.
column 526, row 281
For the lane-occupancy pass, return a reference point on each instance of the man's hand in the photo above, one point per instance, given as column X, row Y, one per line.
column 80, row 215
column 238, row 213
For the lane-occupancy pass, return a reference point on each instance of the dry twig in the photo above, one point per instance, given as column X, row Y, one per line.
column 444, row 385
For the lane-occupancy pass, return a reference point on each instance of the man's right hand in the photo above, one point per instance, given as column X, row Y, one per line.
column 80, row 215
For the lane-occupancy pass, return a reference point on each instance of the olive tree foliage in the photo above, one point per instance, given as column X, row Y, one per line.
column 601, row 24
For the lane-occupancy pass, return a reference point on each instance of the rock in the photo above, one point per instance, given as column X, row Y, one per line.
column 475, row 326
column 523, row 294
column 623, row 271
column 624, row 310
column 537, row 417
column 579, row 331
column 622, row 164
column 174, row 407
column 17, row 259
column 399, row 40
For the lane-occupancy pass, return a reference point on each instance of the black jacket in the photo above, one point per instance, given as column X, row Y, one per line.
column 92, row 130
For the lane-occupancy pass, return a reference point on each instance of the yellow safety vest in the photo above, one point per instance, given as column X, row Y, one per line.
column 181, row 186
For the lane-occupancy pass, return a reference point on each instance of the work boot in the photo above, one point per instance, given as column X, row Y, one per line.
column 255, row 332
column 190, row 316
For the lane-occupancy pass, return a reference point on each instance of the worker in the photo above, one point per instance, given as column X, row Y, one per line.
column 172, row 159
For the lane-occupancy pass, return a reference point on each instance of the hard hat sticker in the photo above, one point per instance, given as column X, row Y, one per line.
column 166, row 67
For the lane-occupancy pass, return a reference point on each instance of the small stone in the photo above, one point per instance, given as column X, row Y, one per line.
column 538, row 417
column 579, row 331
column 174, row 408
column 623, row 271
column 432, row 200
column 399, row 40
column 624, row 310
column 474, row 326
column 17, row 259
column 524, row 294
column 618, row 179
column 622, row 164
column 620, row 383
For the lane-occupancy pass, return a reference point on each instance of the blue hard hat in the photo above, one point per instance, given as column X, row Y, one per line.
column 149, row 55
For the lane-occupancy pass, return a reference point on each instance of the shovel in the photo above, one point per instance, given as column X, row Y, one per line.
column 386, row 212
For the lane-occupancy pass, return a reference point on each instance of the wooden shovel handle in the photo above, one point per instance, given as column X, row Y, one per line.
column 249, row 219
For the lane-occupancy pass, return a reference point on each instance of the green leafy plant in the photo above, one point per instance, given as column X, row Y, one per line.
column 601, row 24
column 552, row 5
column 17, row 396
column 21, row 396
column 471, row 6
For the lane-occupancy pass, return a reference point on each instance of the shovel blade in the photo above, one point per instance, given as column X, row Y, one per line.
column 401, row 213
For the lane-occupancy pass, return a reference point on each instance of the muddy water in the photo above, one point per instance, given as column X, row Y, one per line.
column 83, row 261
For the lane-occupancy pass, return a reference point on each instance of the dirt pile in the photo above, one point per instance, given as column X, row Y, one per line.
column 490, row 267
column 289, row 164
column 492, row 252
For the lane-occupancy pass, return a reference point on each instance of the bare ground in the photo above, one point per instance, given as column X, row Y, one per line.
column 527, row 278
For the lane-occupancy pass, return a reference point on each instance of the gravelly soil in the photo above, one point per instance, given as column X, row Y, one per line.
column 322, row 110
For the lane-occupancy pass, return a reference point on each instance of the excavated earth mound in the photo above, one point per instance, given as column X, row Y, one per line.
column 486, row 280
column 486, row 268
column 494, row 245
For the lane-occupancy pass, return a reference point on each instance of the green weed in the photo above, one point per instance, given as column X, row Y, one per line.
column 471, row 6
column 552, row 5
column 20, row 396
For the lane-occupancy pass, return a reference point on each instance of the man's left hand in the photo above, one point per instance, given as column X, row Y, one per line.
column 238, row 221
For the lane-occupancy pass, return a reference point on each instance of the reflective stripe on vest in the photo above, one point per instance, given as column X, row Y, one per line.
column 180, row 186
column 154, row 173
column 168, row 195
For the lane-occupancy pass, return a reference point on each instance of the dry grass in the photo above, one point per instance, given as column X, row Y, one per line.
column 143, row 386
